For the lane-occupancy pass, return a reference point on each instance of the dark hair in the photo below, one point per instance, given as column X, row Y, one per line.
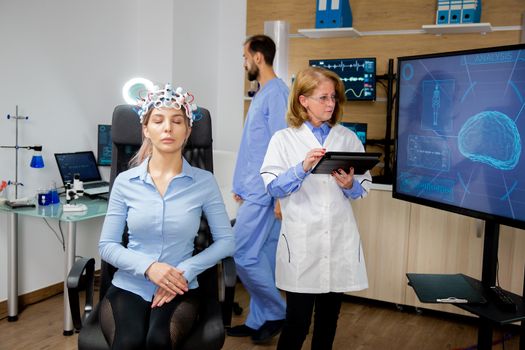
column 263, row 44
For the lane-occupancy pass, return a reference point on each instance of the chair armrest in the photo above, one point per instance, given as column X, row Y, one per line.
column 81, row 277
column 228, row 276
column 228, row 268
column 209, row 331
column 229, row 272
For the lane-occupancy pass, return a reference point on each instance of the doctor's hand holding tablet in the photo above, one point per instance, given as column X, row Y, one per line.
column 344, row 179
column 312, row 158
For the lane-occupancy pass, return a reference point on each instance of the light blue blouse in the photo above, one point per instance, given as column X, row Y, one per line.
column 163, row 229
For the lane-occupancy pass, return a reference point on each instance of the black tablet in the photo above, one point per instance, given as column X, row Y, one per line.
column 360, row 161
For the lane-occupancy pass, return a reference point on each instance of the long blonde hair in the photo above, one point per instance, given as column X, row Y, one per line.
column 146, row 149
column 305, row 83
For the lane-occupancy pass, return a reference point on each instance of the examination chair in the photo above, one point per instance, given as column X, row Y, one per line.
column 217, row 283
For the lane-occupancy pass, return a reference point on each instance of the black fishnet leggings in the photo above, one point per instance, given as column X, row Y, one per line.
column 129, row 322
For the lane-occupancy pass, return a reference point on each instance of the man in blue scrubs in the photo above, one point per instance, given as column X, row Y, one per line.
column 257, row 229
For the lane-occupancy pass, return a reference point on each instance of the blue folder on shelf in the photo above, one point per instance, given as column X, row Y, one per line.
column 471, row 11
column 458, row 11
column 444, row 288
column 333, row 14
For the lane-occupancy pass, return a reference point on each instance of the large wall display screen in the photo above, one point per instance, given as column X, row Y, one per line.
column 460, row 124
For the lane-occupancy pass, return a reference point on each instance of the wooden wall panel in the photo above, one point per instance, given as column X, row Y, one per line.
column 374, row 15
column 443, row 242
column 385, row 245
column 511, row 259
column 379, row 15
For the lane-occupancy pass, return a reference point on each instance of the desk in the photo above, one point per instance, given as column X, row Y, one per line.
column 489, row 313
column 96, row 208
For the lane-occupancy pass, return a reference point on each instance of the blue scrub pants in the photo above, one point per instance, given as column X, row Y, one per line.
column 256, row 234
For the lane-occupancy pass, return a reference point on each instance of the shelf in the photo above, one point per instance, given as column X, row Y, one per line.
column 425, row 29
column 457, row 28
column 330, row 33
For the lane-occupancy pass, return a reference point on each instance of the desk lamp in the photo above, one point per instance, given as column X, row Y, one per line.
column 36, row 161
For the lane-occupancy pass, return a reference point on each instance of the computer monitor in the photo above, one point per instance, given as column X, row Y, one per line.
column 104, row 145
column 358, row 76
column 359, row 128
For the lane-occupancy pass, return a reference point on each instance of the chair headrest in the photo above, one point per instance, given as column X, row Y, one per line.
column 126, row 128
column 201, row 131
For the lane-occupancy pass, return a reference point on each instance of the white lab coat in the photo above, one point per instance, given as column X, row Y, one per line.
column 319, row 249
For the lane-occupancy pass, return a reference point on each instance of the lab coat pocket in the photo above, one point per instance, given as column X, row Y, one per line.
column 354, row 268
column 292, row 243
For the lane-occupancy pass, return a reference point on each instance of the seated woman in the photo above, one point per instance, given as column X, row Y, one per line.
column 153, row 300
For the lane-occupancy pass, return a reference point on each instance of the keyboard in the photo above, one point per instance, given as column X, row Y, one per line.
column 96, row 184
column 96, row 190
column 502, row 300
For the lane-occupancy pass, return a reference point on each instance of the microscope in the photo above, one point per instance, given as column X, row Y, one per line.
column 74, row 191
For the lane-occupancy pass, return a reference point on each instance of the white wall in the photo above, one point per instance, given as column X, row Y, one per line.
column 64, row 63
column 210, row 62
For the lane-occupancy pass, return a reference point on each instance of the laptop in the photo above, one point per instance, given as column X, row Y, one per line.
column 84, row 164
column 104, row 196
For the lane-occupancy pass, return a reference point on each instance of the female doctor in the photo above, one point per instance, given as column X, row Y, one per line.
column 319, row 254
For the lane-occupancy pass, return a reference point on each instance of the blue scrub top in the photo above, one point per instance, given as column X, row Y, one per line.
column 266, row 115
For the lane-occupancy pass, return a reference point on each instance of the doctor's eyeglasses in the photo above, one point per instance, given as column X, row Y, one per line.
column 324, row 98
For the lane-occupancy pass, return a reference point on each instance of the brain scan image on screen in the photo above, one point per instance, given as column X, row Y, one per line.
column 492, row 138
column 460, row 125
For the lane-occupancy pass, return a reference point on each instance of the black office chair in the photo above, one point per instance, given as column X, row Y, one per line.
column 208, row 333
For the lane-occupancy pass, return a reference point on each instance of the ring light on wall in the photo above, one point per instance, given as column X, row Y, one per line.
column 135, row 89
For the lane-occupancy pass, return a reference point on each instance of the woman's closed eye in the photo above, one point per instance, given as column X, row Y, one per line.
column 177, row 120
